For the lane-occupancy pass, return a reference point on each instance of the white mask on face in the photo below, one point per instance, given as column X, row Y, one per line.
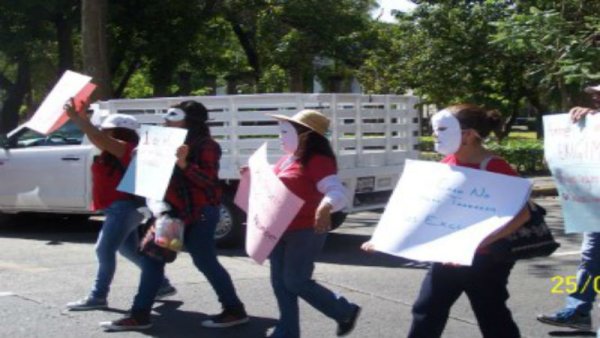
column 288, row 137
column 448, row 135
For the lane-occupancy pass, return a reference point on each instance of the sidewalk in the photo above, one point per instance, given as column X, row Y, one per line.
column 543, row 186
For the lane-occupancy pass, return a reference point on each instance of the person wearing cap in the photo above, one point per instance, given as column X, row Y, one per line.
column 194, row 196
column 116, row 138
column 309, row 170
column 579, row 304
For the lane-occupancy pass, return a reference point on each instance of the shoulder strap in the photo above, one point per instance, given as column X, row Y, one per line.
column 483, row 165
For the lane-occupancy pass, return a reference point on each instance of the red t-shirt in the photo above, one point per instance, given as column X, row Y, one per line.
column 302, row 181
column 495, row 165
column 106, row 178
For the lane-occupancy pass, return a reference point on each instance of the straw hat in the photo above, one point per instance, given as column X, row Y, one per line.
column 309, row 118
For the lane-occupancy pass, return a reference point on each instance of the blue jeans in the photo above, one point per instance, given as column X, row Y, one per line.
column 589, row 269
column 292, row 265
column 199, row 241
column 119, row 232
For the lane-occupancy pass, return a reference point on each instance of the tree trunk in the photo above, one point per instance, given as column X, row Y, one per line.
column 9, row 116
column 296, row 80
column 64, row 32
column 95, row 51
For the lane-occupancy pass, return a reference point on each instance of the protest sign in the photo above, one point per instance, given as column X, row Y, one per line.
column 441, row 213
column 271, row 207
column 572, row 151
column 51, row 114
column 150, row 171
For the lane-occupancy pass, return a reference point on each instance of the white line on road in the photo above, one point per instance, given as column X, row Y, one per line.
column 6, row 294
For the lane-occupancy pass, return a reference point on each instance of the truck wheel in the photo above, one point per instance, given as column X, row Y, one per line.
column 229, row 231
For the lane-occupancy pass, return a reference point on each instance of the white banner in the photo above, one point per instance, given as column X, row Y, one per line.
column 572, row 151
column 440, row 213
column 151, row 169
column 51, row 115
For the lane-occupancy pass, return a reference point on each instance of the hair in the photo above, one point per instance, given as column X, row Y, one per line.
column 195, row 119
column 311, row 143
column 483, row 121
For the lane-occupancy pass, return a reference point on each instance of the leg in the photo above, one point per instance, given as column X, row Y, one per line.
column 151, row 278
column 302, row 249
column 200, row 242
column 440, row 289
column 589, row 269
column 487, row 292
column 289, row 318
column 113, row 233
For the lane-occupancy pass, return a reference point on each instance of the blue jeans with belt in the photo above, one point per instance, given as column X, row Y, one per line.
column 119, row 233
column 199, row 241
column 292, row 265
column 589, row 269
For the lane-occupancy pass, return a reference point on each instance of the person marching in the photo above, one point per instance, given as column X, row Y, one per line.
column 309, row 170
column 459, row 132
column 194, row 195
column 116, row 138
column 579, row 304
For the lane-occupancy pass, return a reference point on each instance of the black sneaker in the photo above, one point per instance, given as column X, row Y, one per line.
column 568, row 318
column 227, row 318
column 345, row 328
column 128, row 323
column 88, row 303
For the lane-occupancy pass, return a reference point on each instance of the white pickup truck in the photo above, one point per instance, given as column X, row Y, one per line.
column 372, row 136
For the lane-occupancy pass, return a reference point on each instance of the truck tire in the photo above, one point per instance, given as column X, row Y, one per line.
column 230, row 230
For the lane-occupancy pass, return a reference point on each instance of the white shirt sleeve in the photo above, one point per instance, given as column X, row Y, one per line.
column 334, row 191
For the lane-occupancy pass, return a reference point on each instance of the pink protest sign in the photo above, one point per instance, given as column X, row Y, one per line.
column 271, row 207
column 51, row 115
column 242, row 195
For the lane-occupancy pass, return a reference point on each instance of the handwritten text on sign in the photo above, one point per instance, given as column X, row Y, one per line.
column 151, row 169
column 441, row 213
column 572, row 151
column 271, row 207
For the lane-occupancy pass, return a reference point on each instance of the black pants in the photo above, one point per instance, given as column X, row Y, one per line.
column 484, row 283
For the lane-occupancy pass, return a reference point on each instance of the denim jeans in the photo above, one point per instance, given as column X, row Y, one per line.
column 119, row 232
column 199, row 241
column 589, row 269
column 292, row 266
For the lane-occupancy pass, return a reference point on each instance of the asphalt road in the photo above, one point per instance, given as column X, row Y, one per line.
column 45, row 263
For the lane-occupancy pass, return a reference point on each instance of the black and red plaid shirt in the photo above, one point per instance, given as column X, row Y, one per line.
column 198, row 185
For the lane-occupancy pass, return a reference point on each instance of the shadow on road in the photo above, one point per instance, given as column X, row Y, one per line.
column 55, row 230
column 174, row 322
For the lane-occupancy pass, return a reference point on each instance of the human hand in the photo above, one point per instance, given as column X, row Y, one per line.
column 182, row 154
column 76, row 111
column 244, row 170
column 368, row 247
column 577, row 113
column 323, row 218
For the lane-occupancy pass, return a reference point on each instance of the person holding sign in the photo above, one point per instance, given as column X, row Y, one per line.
column 309, row 170
column 459, row 132
column 194, row 195
column 116, row 139
column 576, row 313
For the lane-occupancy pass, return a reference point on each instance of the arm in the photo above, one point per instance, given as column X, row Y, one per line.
column 510, row 227
column 204, row 173
column 96, row 136
column 577, row 113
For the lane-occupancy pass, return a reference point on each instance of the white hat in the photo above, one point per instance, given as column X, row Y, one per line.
column 592, row 89
column 174, row 115
column 120, row 121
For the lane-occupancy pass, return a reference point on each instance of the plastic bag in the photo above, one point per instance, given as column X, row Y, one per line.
column 169, row 232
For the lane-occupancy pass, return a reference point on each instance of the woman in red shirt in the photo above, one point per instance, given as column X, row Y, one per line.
column 459, row 132
column 116, row 138
column 309, row 170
